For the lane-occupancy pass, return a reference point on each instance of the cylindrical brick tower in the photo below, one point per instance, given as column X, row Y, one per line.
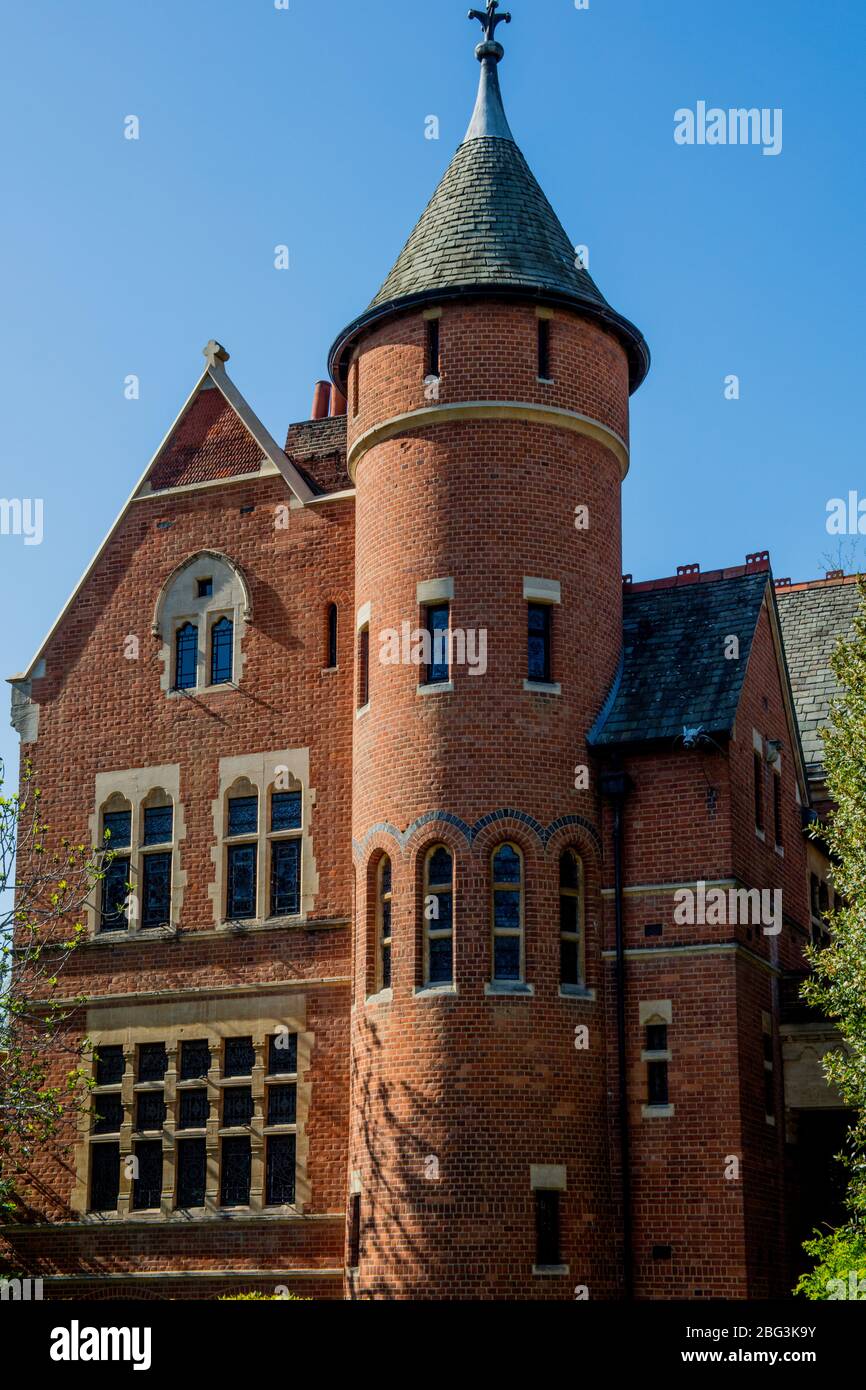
column 488, row 388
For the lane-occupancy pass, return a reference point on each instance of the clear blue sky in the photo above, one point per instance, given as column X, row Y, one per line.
column 306, row 127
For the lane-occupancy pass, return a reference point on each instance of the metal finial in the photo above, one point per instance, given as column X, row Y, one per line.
column 490, row 19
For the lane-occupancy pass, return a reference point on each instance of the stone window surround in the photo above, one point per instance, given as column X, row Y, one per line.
column 547, row 591
column 520, row 986
column 171, row 1023
column 178, row 604
column 656, row 1011
column 263, row 773
column 548, row 1177
column 136, row 786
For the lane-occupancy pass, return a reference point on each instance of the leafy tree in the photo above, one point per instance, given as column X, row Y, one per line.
column 838, row 984
column 44, row 885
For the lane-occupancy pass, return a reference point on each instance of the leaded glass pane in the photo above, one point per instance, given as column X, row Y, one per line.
column 440, row 911
column 439, row 868
column 194, row 1059
column 281, row 1170
column 241, row 902
column 506, row 958
column 283, row 1054
column 506, row 865
column 235, row 1176
column 104, row 1176
column 386, row 876
column 285, row 878
column 191, row 1172
column 110, row 1065
column 107, row 1114
column 158, row 825
column 240, row 1057
column 539, row 642
column 569, row 962
column 569, row 875
column 221, row 652
column 156, row 890
column 115, row 892
column 440, row 960
column 119, row 826
column 147, row 1187
column 282, row 1105
column 506, row 907
column 150, row 1110
column 186, row 657
column 437, row 626
column 194, row 1109
column 286, row 811
column 569, row 915
column 243, row 815
column 152, row 1061
column 237, row 1106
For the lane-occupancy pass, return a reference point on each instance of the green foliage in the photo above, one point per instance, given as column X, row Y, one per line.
column 44, row 884
column 840, row 1272
column 255, row 1297
column 838, row 984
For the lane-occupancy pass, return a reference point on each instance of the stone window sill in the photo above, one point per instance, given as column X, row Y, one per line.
column 576, row 992
column 385, row 996
column 435, row 991
column 437, row 688
column 550, row 1271
column 543, row 687
column 657, row 1112
column 365, row 709
column 508, row 989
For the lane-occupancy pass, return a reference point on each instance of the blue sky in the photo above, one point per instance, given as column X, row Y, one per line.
column 306, row 127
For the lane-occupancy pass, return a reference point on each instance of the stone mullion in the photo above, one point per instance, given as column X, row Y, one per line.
column 127, row 1092
column 169, row 1148
column 257, row 1141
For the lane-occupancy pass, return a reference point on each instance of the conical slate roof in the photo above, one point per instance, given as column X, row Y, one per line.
column 489, row 230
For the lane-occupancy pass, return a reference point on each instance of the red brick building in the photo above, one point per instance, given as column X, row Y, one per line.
column 461, row 887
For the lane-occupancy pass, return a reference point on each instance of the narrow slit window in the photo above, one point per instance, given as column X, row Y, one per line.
column 439, row 916
column 507, row 874
column 186, row 657
column 759, row 790
column 437, row 621
column 331, row 655
column 355, row 1230
column 777, row 809
column 657, row 1064
column 548, row 1252
column 384, row 921
column 570, row 918
column 538, row 642
column 544, row 349
column 221, row 643
column 433, row 339
column 356, row 386
column 363, row 667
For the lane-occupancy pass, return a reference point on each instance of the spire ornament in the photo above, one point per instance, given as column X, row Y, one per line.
column 490, row 20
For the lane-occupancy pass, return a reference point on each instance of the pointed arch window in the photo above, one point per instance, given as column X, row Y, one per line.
column 221, row 652
column 507, row 913
column 383, row 921
column 186, row 657
column 117, row 839
column 571, row 897
column 439, row 916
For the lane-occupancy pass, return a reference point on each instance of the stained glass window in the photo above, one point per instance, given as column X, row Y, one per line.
column 221, row 639
column 282, row 1105
column 235, row 1175
column 156, row 890
column 149, row 1110
column 152, row 1061
column 237, row 1106
column 147, row 1187
column 110, row 1065
column 438, row 915
column 241, row 897
column 104, row 1176
column 285, row 878
column 107, row 1114
column 539, row 642
column 280, row 1170
column 194, row 1059
column 438, row 622
column 194, row 1109
column 507, row 914
column 186, row 657
column 283, row 1054
column 119, row 826
column 115, row 892
column 240, row 1057
column 286, row 811
column 158, row 825
column 570, row 914
column 243, row 815
column 191, row 1173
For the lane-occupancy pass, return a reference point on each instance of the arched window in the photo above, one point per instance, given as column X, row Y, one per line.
column 155, row 859
column 331, row 653
column 242, row 852
column 570, row 918
column 117, row 841
column 221, row 654
column 284, row 841
column 507, row 911
column 383, row 921
column 186, row 657
column 438, row 916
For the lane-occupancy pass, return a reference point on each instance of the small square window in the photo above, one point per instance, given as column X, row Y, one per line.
column 657, row 1037
column 204, row 588
column 150, row 1111
column 282, row 1105
column 243, row 815
column 119, row 827
column 107, row 1114
column 194, row 1109
column 240, row 1057
column 152, row 1061
column 158, row 825
column 283, row 1054
column 110, row 1065
column 286, row 811
column 237, row 1107
column 194, row 1059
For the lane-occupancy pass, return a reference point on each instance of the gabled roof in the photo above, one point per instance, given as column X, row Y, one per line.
column 814, row 618
column 215, row 436
column 489, row 230
column 674, row 673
